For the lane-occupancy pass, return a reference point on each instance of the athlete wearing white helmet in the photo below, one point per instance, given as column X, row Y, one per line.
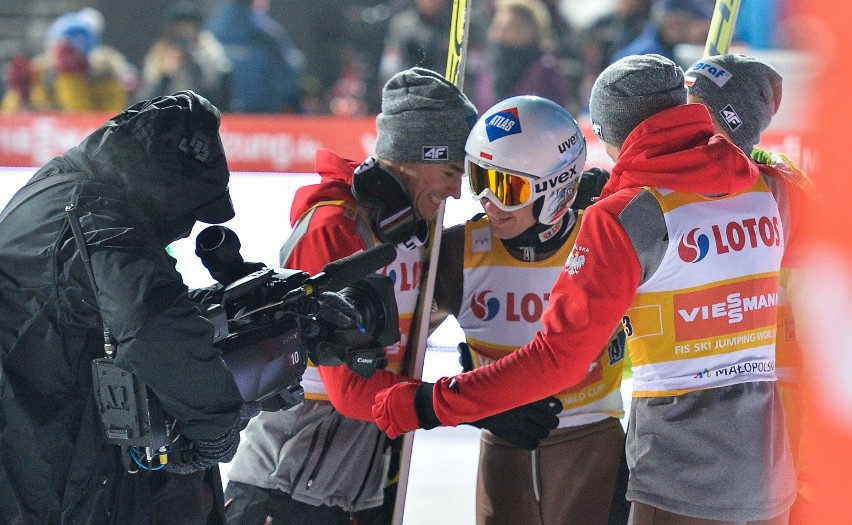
column 538, row 160
column 525, row 159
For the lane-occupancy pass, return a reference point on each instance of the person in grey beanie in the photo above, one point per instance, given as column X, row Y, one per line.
column 743, row 93
column 699, row 240
column 325, row 462
column 629, row 92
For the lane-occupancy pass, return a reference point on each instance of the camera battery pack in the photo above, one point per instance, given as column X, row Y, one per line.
column 130, row 413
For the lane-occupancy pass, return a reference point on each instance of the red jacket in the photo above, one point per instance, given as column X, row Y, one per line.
column 331, row 236
column 674, row 149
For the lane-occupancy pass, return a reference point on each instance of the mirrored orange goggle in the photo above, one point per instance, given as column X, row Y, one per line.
column 512, row 191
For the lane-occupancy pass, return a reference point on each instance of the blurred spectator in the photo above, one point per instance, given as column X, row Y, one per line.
column 615, row 30
column 187, row 58
column 580, row 14
column 672, row 22
column 265, row 76
column 75, row 73
column 606, row 35
column 321, row 39
column 267, row 23
column 19, row 84
column 417, row 36
column 348, row 95
column 522, row 57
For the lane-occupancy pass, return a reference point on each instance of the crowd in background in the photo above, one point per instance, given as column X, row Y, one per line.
column 241, row 54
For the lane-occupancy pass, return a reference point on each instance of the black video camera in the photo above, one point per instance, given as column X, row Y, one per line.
column 258, row 315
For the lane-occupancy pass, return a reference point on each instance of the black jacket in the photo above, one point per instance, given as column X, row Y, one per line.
column 140, row 182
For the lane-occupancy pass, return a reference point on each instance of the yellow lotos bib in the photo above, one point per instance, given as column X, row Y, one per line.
column 707, row 317
column 502, row 303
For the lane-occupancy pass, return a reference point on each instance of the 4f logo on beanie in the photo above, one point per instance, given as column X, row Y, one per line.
column 730, row 117
column 436, row 153
column 596, row 128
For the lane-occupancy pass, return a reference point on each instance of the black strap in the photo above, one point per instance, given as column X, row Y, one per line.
column 82, row 247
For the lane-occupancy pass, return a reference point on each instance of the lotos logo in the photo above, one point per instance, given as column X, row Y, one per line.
column 692, row 250
column 520, row 307
column 735, row 236
column 405, row 276
column 483, row 306
column 502, row 124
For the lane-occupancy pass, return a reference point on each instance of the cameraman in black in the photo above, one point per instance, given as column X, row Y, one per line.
column 138, row 183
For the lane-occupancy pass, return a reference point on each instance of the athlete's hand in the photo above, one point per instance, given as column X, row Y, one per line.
column 404, row 407
column 592, row 182
column 408, row 406
column 526, row 425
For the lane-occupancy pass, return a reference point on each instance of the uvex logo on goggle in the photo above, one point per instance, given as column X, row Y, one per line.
column 542, row 186
column 502, row 124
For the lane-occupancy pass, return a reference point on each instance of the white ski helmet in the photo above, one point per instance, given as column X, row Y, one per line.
column 524, row 150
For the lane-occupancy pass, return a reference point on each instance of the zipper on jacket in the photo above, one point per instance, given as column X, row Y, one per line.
column 325, row 446
column 308, row 456
column 376, row 449
column 534, row 473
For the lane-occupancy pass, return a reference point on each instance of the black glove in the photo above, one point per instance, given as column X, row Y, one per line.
column 248, row 411
column 526, row 425
column 326, row 310
column 335, row 309
column 465, row 357
column 201, row 454
column 523, row 426
column 591, row 184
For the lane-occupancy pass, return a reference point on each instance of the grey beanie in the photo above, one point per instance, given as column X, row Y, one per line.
column 742, row 93
column 424, row 118
column 630, row 90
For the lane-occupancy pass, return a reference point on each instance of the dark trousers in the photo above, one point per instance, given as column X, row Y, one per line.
column 643, row 514
column 250, row 505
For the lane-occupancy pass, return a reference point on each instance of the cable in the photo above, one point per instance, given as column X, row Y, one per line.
column 138, row 461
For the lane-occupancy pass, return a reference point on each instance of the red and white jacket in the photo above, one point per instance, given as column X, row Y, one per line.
column 624, row 240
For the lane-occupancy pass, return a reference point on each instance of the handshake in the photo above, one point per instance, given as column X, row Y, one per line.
column 408, row 406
